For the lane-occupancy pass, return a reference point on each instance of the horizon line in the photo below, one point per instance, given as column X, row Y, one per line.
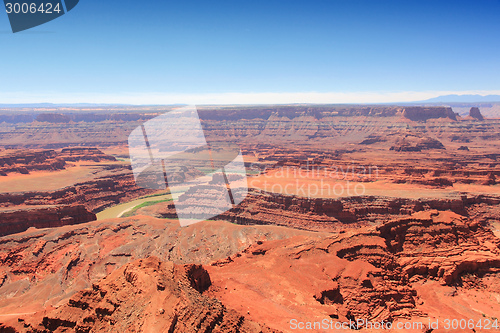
column 232, row 98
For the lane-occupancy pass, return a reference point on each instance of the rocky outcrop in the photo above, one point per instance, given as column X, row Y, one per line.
column 24, row 161
column 144, row 296
column 95, row 195
column 475, row 113
column 274, row 209
column 43, row 268
column 415, row 143
column 464, row 242
column 318, row 214
column 291, row 112
column 53, row 118
column 371, row 273
column 84, row 154
column 16, row 118
column 20, row 219
column 418, row 113
column 371, row 139
column 46, row 135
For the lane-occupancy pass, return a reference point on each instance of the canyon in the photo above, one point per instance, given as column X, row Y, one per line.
column 376, row 273
column 52, row 130
column 379, row 213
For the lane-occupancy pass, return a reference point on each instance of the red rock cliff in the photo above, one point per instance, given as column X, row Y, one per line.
column 18, row 220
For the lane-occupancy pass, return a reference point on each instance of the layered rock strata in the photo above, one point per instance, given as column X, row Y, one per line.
column 95, row 195
column 21, row 219
column 145, row 295
column 322, row 214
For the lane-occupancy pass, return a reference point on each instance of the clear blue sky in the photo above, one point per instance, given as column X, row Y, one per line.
column 111, row 48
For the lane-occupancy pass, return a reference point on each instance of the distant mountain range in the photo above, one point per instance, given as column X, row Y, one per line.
column 463, row 99
column 445, row 99
column 52, row 105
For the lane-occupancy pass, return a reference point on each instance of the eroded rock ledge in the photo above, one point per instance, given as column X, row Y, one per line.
column 145, row 295
column 320, row 214
column 21, row 219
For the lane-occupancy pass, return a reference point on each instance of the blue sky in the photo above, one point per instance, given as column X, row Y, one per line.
column 153, row 52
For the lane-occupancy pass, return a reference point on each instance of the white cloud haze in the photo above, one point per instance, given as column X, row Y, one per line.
column 230, row 98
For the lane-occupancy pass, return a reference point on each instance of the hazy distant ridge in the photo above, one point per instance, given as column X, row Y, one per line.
column 462, row 99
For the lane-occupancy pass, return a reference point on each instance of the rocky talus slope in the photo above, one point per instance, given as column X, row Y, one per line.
column 45, row 267
column 145, row 296
column 370, row 274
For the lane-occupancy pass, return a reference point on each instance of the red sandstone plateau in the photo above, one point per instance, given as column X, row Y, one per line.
column 360, row 214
